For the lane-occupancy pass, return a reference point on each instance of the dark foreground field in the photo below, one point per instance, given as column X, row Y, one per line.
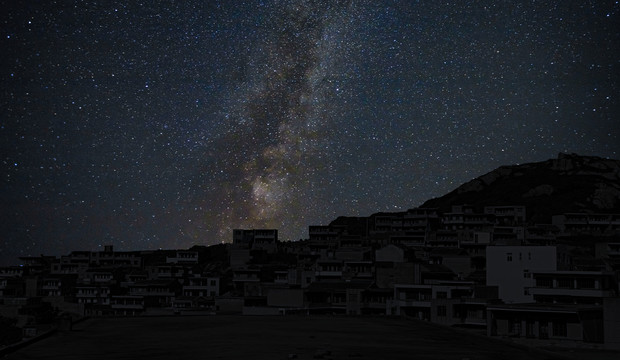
column 237, row 337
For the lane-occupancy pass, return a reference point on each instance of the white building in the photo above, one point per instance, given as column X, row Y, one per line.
column 202, row 286
column 510, row 268
column 184, row 257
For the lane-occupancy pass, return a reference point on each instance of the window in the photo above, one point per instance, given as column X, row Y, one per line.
column 516, row 328
column 585, row 283
column 508, row 257
column 526, row 274
column 441, row 310
column 544, row 282
column 559, row 328
column 565, row 283
column 442, row 295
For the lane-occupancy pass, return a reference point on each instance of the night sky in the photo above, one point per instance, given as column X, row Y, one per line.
column 164, row 124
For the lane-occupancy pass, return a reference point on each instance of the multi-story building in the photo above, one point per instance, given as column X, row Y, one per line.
column 127, row 305
column 156, row 293
column 586, row 223
column 465, row 217
column 94, row 294
column 573, row 287
column 329, row 270
column 202, row 286
column 11, row 287
column 256, row 239
column 507, row 215
column 413, row 300
column 560, row 323
column 476, row 244
column 445, row 302
column 183, row 257
column 510, row 268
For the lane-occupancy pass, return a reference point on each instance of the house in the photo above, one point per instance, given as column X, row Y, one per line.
column 115, row 259
column 476, row 244
column 560, row 323
column 508, row 235
column 244, row 276
column 193, row 305
column 587, row 224
column 329, row 270
column 389, row 273
column 11, row 287
column 336, row 297
column 202, row 286
column 11, row 272
column 358, row 270
column 507, row 215
column 167, row 272
column 510, row 268
column 76, row 263
column 446, row 238
column 369, row 301
column 573, row 287
column 541, row 234
column 461, row 303
column 94, row 294
column 183, row 257
column 34, row 265
column 62, row 285
column 94, row 298
column 156, row 293
column 452, row 303
column 127, row 305
column 256, row 239
column 465, row 217
column 413, row 300
column 455, row 259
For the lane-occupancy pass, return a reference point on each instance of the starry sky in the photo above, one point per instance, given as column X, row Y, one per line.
column 164, row 124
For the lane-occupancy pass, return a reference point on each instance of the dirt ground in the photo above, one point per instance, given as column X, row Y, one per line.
column 291, row 337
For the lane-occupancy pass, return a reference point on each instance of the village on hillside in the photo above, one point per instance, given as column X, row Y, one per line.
column 486, row 269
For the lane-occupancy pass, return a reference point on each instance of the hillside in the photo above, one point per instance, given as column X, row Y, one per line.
column 570, row 183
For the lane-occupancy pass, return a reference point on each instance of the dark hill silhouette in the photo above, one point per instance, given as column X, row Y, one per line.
column 570, row 183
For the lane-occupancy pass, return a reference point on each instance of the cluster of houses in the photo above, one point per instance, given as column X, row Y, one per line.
column 480, row 268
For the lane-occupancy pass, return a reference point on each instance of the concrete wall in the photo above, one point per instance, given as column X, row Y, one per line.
column 390, row 253
column 506, row 266
column 261, row 310
column 293, row 298
column 461, row 265
column 399, row 273
column 611, row 323
column 229, row 305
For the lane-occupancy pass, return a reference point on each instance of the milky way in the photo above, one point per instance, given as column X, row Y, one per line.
column 167, row 125
column 280, row 115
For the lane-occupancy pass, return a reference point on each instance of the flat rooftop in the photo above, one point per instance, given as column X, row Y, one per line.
column 284, row 337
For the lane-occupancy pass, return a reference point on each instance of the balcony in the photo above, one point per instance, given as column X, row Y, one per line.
column 328, row 273
column 544, row 291
column 412, row 303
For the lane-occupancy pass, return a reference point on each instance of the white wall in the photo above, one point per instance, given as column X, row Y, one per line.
column 508, row 275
